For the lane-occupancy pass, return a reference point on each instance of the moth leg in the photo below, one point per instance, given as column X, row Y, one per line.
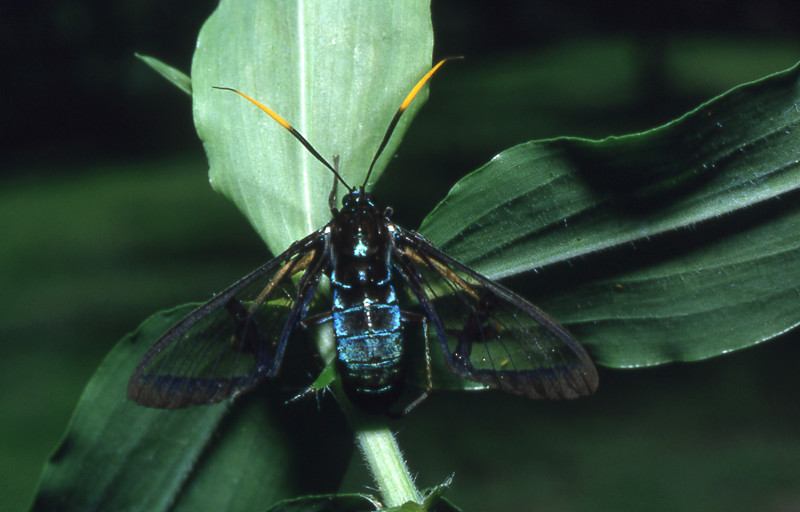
column 317, row 319
column 310, row 390
column 247, row 337
column 421, row 319
column 478, row 326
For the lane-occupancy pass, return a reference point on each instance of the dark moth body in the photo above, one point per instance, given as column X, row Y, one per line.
column 366, row 314
column 384, row 280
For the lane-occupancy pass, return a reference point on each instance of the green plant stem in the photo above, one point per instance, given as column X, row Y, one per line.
column 375, row 440
column 382, row 455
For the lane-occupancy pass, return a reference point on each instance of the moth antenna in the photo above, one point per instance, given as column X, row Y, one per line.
column 403, row 107
column 281, row 121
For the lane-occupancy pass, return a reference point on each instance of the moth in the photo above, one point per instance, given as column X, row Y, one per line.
column 384, row 280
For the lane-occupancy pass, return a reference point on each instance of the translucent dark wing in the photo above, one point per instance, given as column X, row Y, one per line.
column 488, row 333
column 235, row 340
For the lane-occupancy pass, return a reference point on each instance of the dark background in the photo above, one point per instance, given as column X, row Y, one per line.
column 108, row 218
column 72, row 89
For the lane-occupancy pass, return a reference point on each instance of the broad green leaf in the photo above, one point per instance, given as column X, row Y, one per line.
column 336, row 71
column 117, row 455
column 682, row 241
column 108, row 441
column 174, row 76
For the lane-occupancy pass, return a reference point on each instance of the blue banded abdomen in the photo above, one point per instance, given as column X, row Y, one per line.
column 370, row 355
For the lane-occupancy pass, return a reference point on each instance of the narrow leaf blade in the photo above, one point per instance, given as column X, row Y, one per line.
column 177, row 78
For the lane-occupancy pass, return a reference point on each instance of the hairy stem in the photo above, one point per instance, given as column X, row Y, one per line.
column 382, row 455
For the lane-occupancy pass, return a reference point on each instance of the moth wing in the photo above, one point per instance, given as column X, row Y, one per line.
column 235, row 340
column 488, row 333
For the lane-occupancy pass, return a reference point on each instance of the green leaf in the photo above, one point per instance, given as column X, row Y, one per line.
column 333, row 503
column 176, row 77
column 117, row 455
column 326, row 503
column 681, row 242
column 433, row 501
column 336, row 71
